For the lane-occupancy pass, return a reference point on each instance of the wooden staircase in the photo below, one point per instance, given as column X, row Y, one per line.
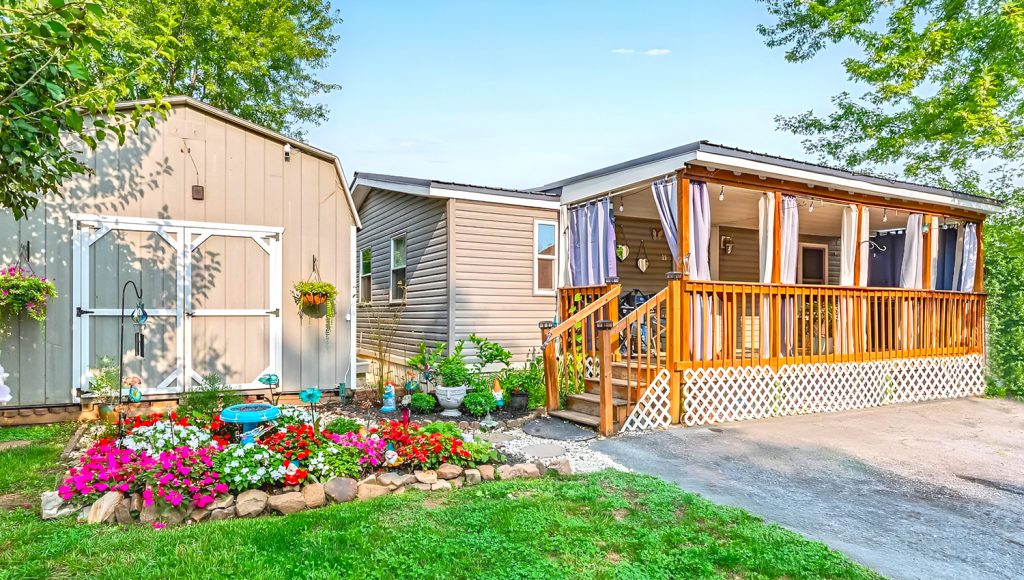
column 585, row 408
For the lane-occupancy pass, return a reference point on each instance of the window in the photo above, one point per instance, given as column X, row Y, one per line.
column 365, row 278
column 813, row 264
column 545, row 245
column 398, row 269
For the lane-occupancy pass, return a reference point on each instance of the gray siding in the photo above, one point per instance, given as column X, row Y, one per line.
column 493, row 275
column 246, row 181
column 386, row 214
column 634, row 231
column 742, row 264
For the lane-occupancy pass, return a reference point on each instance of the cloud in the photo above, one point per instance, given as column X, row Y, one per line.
column 657, row 52
column 623, row 51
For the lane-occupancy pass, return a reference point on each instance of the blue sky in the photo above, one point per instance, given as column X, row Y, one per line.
column 518, row 94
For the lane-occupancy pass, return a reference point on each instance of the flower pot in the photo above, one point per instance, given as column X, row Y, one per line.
column 518, row 401
column 314, row 307
column 107, row 414
column 450, row 399
column 313, row 298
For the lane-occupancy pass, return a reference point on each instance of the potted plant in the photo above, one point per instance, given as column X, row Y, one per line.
column 104, row 388
column 315, row 299
column 22, row 291
column 519, row 383
column 454, row 376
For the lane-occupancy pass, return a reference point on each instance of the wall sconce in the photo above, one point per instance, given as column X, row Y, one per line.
column 726, row 244
column 287, row 151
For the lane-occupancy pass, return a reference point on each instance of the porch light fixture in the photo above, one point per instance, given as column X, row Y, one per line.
column 287, row 152
column 721, row 194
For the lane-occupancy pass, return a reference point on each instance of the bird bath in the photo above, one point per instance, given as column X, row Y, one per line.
column 250, row 415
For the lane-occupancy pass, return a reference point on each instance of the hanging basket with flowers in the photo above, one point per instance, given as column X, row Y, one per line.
column 22, row 291
column 315, row 298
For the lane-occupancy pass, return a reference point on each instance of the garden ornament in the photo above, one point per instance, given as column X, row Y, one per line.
column 271, row 381
column 389, row 398
column 499, row 395
column 411, row 385
column 134, row 392
column 642, row 262
column 391, row 457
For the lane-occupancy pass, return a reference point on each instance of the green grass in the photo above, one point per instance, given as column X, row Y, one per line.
column 33, row 469
column 603, row 525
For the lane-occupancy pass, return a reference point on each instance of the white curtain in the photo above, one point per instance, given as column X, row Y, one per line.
column 698, row 265
column 667, row 202
column 766, row 236
column 910, row 273
column 970, row 258
column 865, row 247
column 933, row 259
column 849, row 240
column 789, row 239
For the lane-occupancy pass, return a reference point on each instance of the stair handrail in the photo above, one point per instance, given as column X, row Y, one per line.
column 583, row 314
column 652, row 306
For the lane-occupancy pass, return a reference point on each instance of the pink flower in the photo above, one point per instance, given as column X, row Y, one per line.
column 159, row 525
column 220, row 488
column 147, row 497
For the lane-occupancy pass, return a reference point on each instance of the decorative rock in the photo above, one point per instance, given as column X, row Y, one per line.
column 103, row 509
column 123, row 512
column 368, row 479
column 420, row 486
column 458, row 482
column 52, row 506
column 463, row 425
column 341, row 489
column 525, row 470
column 395, row 480
column 428, row 476
column 251, row 503
column 371, row 490
column 287, row 503
column 222, row 514
column 135, row 503
column 225, row 501
column 84, row 514
column 472, row 476
column 441, row 486
column 544, row 450
column 448, row 471
column 399, row 490
column 541, row 468
column 505, row 472
column 314, row 495
column 151, row 513
column 291, row 488
column 486, row 472
column 199, row 514
column 561, row 465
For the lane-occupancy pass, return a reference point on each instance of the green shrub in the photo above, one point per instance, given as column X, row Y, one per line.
column 336, row 461
column 422, row 402
column 480, row 402
column 206, row 400
column 483, row 452
column 529, row 379
column 442, row 427
column 343, row 425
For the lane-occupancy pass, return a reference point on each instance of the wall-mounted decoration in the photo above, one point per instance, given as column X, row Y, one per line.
column 621, row 249
column 642, row 262
column 657, row 233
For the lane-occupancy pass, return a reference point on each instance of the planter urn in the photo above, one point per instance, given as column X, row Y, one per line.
column 450, row 399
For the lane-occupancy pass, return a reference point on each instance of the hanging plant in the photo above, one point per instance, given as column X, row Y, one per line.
column 316, row 300
column 22, row 291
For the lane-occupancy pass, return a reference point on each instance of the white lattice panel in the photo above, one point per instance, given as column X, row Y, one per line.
column 717, row 395
column 592, row 367
column 652, row 410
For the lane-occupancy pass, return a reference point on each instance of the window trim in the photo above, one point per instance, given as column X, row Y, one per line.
column 800, row 261
column 391, row 269
column 537, row 222
column 368, row 276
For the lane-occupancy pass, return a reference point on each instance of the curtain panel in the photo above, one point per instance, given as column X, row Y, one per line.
column 592, row 243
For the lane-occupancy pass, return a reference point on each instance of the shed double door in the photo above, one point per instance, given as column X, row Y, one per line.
column 212, row 292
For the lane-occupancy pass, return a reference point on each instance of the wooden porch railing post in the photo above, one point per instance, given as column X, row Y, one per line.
column 606, row 426
column 613, row 315
column 674, row 333
column 550, row 365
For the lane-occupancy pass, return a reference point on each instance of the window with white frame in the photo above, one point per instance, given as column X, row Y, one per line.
column 545, row 248
column 365, row 277
column 398, row 283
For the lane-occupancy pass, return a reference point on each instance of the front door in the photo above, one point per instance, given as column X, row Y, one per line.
column 213, row 293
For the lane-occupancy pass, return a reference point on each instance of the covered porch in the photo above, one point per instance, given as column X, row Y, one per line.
column 723, row 292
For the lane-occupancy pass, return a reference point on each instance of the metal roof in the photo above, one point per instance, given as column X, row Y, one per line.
column 503, row 191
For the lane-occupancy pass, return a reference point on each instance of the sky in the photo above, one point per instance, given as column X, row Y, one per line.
column 519, row 94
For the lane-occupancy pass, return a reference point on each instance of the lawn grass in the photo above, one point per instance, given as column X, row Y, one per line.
column 603, row 525
column 32, row 469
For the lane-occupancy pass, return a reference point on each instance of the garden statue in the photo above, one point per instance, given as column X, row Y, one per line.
column 271, row 380
column 411, row 384
column 389, row 398
column 391, row 457
column 134, row 392
column 499, row 395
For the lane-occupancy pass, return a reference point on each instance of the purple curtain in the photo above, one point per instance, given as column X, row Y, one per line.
column 667, row 201
column 592, row 243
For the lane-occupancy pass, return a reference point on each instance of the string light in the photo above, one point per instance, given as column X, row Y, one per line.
column 622, row 208
column 885, row 215
column 810, row 207
column 721, row 194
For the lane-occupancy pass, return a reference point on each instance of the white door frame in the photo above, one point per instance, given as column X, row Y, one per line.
column 183, row 236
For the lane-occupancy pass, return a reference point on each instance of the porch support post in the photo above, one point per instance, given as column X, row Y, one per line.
column 774, row 300
column 550, row 365
column 926, row 254
column 606, row 417
column 683, row 199
column 677, row 322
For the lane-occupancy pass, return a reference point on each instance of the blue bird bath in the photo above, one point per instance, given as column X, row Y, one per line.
column 250, row 415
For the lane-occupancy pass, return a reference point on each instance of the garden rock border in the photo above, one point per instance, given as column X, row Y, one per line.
column 117, row 508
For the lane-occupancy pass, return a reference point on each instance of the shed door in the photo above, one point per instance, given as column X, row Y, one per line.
column 213, row 293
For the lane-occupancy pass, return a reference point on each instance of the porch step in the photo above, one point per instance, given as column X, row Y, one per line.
column 577, row 417
column 620, row 387
column 590, row 404
column 623, row 370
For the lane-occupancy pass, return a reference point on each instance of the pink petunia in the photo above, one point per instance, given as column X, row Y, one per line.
column 159, row 525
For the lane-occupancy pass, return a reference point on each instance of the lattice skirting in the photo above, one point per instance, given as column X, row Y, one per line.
column 652, row 410
column 718, row 395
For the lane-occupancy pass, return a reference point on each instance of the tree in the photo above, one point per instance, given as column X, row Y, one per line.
column 944, row 99
column 252, row 58
column 65, row 64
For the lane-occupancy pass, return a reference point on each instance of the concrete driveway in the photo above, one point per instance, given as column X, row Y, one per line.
column 927, row 490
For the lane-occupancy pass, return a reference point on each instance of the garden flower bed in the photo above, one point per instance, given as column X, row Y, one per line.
column 169, row 470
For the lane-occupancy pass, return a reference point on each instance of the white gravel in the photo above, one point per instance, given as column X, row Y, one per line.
column 581, row 457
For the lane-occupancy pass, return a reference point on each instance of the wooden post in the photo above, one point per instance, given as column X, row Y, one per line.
column 683, row 200
column 612, row 312
column 674, row 335
column 926, row 269
column 606, row 411
column 979, row 269
column 550, row 365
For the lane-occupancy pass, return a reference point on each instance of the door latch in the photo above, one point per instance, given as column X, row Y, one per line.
column 275, row 312
column 79, row 311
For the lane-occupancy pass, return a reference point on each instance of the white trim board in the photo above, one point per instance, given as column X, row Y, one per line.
column 426, row 190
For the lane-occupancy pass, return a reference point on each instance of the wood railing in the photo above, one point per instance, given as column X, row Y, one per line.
column 572, row 299
column 736, row 324
column 570, row 345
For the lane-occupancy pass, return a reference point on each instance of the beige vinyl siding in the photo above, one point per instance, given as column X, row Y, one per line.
column 633, row 231
column 742, row 265
column 493, row 275
column 247, row 182
column 386, row 214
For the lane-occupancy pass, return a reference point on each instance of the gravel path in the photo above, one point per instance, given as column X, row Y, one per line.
column 582, row 457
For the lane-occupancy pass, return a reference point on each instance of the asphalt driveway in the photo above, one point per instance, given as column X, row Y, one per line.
column 928, row 490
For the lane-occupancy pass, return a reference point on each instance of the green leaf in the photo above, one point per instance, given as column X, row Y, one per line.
column 77, row 70
column 28, row 96
column 95, row 8
column 73, row 119
column 55, row 91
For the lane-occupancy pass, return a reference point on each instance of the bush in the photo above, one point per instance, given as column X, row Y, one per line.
column 442, row 427
column 245, row 467
column 479, row 403
column 343, row 425
column 529, row 379
column 422, row 402
column 336, row 461
column 482, row 452
column 207, row 400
